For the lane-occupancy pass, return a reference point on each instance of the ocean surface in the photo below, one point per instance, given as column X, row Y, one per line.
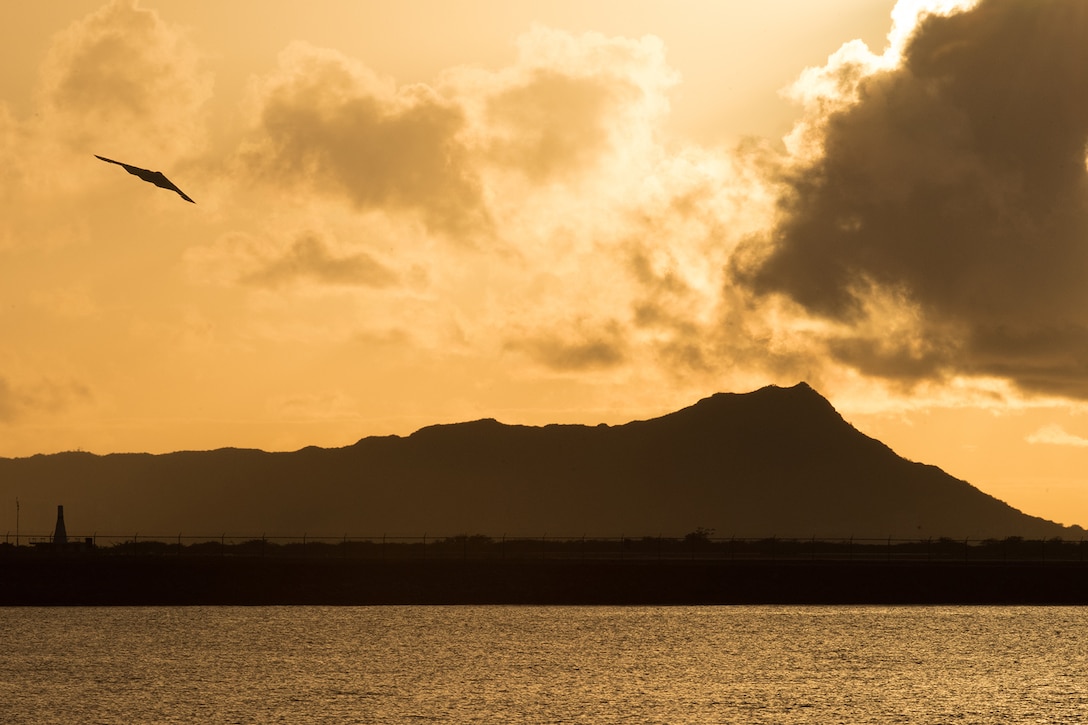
column 496, row 664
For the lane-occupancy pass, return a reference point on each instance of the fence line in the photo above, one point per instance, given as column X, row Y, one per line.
column 692, row 546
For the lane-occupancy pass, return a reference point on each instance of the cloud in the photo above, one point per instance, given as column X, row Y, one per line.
column 124, row 81
column 19, row 401
column 581, row 348
column 553, row 125
column 569, row 103
column 452, row 154
column 604, row 244
column 942, row 187
column 308, row 258
column 326, row 122
column 315, row 406
column 1056, row 435
column 10, row 402
column 10, row 157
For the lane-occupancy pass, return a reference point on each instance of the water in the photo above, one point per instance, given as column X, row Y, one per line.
column 544, row 665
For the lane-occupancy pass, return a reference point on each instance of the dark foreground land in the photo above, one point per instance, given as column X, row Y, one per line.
column 228, row 580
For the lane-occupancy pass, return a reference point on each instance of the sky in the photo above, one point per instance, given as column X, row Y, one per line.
column 548, row 212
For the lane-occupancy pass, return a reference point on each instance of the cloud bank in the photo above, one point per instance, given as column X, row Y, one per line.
column 935, row 211
column 535, row 225
column 535, row 209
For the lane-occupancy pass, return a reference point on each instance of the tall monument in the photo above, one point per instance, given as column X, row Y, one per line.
column 60, row 534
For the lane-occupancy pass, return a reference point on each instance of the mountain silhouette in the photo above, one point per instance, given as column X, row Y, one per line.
column 774, row 462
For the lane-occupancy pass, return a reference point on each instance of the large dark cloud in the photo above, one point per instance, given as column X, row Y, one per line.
column 954, row 184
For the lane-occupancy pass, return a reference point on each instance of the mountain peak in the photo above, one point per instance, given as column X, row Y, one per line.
column 798, row 391
column 799, row 404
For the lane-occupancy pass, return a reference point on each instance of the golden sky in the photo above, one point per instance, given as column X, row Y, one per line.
column 581, row 212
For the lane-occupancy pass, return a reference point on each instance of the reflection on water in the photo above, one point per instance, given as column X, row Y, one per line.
column 544, row 664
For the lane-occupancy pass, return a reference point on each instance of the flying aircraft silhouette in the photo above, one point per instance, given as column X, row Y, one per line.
column 154, row 177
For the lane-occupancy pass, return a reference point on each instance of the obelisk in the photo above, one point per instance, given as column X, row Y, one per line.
column 60, row 534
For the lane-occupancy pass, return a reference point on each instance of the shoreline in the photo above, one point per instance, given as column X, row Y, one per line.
column 228, row 580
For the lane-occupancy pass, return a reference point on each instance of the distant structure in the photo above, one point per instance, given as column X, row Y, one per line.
column 60, row 534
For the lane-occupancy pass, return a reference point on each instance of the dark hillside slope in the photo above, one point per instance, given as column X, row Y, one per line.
column 777, row 461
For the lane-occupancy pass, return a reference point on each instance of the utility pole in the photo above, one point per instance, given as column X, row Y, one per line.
column 16, row 521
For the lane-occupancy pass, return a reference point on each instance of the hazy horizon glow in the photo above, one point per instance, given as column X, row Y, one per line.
column 543, row 212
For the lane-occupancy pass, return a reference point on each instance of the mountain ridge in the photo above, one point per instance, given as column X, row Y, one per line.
column 777, row 461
